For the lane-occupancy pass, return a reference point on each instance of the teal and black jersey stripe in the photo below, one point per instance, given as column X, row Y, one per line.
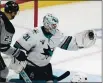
column 66, row 43
column 17, row 45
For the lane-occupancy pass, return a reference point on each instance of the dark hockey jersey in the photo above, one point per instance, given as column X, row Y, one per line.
column 6, row 33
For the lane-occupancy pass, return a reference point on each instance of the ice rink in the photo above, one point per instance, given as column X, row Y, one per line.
column 73, row 18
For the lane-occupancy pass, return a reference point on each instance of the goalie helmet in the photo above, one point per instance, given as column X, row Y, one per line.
column 50, row 22
column 79, row 77
column 11, row 6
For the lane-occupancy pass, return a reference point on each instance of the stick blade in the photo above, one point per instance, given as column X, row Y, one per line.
column 63, row 76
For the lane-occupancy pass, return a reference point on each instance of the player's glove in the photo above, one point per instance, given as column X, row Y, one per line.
column 86, row 38
column 20, row 55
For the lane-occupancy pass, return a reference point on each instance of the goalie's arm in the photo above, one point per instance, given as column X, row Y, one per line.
column 83, row 39
column 26, row 42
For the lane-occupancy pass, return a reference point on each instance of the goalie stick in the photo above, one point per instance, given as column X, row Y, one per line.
column 22, row 72
column 25, row 77
column 61, row 77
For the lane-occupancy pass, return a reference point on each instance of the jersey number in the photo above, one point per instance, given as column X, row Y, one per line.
column 26, row 37
column 8, row 39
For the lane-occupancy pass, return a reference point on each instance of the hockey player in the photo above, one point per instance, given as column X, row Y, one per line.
column 6, row 33
column 41, row 43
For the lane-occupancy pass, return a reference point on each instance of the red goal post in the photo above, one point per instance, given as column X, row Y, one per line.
column 35, row 13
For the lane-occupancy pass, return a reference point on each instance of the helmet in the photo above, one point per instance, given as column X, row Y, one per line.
column 79, row 77
column 11, row 6
column 50, row 22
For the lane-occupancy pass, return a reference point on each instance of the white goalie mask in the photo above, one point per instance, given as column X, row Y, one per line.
column 50, row 22
column 79, row 77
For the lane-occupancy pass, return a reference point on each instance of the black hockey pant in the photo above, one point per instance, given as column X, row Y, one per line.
column 39, row 73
